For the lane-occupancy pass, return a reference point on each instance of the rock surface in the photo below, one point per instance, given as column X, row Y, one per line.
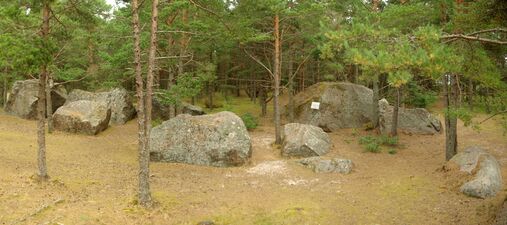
column 320, row 165
column 85, row 117
column 162, row 111
column 219, row 139
column 22, row 101
column 411, row 121
column 342, row 105
column 487, row 177
column 118, row 100
column 303, row 140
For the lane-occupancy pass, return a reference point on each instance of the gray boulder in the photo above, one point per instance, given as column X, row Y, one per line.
column 190, row 109
column 118, row 100
column 342, row 105
column 85, row 117
column 303, row 140
column 162, row 111
column 411, row 121
column 320, row 165
column 487, row 177
column 219, row 140
column 22, row 101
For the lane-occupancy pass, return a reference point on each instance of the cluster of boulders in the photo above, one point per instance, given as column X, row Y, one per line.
column 311, row 142
column 347, row 105
column 78, row 112
column 90, row 113
column 222, row 140
column 22, row 100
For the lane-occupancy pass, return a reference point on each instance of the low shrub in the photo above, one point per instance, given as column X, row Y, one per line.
column 374, row 143
column 250, row 121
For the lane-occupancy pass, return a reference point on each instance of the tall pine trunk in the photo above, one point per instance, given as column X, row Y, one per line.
column 277, row 70
column 41, row 103
column 4, row 91
column 144, row 173
column 49, row 103
column 290, row 90
column 394, row 127
column 374, row 105
column 451, row 121
column 144, row 191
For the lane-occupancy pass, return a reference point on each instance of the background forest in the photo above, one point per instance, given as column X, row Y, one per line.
column 227, row 47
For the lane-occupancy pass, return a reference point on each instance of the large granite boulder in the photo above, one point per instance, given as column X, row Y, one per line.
column 162, row 111
column 118, row 100
column 83, row 116
column 487, row 177
column 342, row 105
column 22, row 101
column 303, row 140
column 219, row 139
column 411, row 121
column 321, row 165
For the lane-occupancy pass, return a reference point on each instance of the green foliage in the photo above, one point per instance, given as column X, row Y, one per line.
column 374, row 143
column 392, row 151
column 250, row 121
column 188, row 85
column 419, row 97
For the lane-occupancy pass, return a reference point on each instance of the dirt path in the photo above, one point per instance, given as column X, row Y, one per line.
column 93, row 181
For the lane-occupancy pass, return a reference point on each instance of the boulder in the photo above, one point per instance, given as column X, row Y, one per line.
column 219, row 140
column 118, row 99
column 22, row 100
column 190, row 109
column 303, row 140
column 410, row 121
column 320, row 165
column 162, row 111
column 342, row 105
column 83, row 116
column 487, row 177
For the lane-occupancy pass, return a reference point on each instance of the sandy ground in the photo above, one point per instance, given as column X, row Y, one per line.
column 93, row 181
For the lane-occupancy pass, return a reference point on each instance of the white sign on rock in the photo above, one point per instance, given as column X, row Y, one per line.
column 315, row 105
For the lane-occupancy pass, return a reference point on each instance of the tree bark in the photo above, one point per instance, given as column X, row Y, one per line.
column 49, row 102
column 4, row 91
column 394, row 127
column 375, row 99
column 263, row 102
column 277, row 70
column 144, row 195
column 470, row 94
column 291, row 88
column 451, row 121
column 41, row 103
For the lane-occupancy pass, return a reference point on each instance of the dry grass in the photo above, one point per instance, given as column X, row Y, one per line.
column 96, row 177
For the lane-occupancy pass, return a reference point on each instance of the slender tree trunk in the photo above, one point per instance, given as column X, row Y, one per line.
column 356, row 73
column 49, row 102
column 181, row 62
column 210, row 95
column 263, row 102
column 451, row 121
column 277, row 70
column 470, row 94
column 394, row 127
column 5, row 91
column 375, row 99
column 41, row 103
column 144, row 195
column 291, row 88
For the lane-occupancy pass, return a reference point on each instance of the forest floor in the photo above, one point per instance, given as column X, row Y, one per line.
column 94, row 181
